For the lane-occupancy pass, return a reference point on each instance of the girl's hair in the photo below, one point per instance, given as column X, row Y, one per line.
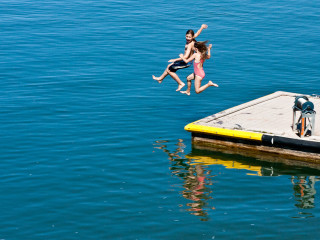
column 202, row 47
column 190, row 31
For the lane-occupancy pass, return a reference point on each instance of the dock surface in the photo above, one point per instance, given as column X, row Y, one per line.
column 266, row 121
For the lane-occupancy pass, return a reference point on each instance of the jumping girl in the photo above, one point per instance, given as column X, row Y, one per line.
column 178, row 63
column 202, row 52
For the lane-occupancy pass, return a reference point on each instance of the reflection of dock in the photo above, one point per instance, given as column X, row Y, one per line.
column 206, row 160
column 302, row 179
column 259, row 166
column 200, row 174
column 263, row 125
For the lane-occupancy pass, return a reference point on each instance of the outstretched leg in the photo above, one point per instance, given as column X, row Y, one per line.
column 177, row 79
column 213, row 84
column 189, row 78
column 199, row 88
column 163, row 75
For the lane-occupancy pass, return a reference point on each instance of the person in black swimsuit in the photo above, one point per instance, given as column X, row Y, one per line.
column 178, row 63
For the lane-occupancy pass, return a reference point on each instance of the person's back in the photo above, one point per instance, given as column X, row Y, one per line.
column 198, row 65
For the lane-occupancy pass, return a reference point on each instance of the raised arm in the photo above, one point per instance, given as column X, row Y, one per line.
column 209, row 51
column 203, row 26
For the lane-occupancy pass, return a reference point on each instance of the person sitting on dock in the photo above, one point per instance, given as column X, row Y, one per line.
column 202, row 52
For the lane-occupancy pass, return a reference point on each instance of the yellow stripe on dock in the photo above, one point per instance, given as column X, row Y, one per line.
column 192, row 127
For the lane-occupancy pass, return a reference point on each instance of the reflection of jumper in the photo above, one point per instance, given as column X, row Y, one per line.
column 198, row 68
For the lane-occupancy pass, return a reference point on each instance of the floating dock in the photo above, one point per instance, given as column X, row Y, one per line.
column 271, row 124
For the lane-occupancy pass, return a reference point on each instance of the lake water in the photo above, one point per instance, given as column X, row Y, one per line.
column 93, row 148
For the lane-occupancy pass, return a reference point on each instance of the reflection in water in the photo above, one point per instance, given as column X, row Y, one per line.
column 304, row 190
column 195, row 178
column 193, row 170
column 206, row 160
column 302, row 178
column 196, row 191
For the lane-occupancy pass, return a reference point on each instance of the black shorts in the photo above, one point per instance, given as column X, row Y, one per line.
column 179, row 65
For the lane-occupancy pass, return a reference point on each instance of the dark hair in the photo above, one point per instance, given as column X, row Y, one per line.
column 191, row 32
column 202, row 47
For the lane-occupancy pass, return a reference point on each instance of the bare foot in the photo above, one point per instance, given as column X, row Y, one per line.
column 185, row 92
column 157, row 79
column 180, row 86
column 213, row 84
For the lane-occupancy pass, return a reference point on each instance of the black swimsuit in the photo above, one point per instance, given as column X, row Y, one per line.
column 179, row 65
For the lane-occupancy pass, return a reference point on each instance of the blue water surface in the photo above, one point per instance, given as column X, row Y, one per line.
column 93, row 148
